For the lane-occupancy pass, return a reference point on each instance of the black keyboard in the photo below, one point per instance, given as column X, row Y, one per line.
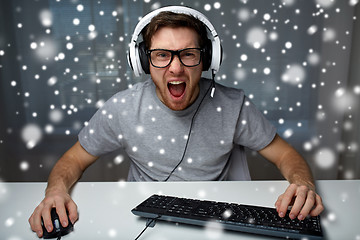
column 231, row 216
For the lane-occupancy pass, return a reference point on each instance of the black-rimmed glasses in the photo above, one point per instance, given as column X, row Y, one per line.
column 161, row 58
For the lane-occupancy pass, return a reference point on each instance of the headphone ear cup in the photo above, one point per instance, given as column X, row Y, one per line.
column 144, row 58
column 207, row 56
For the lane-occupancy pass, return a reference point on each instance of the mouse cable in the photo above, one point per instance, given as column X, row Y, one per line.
column 147, row 225
column 212, row 87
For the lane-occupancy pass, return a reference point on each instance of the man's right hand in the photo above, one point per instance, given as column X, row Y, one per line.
column 53, row 199
column 63, row 176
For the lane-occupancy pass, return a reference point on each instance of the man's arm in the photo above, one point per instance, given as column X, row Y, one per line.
column 301, row 193
column 63, row 176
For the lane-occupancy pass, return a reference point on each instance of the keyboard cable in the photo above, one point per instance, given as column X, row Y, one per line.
column 147, row 225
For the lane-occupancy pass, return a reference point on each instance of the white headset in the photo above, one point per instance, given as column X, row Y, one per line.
column 134, row 55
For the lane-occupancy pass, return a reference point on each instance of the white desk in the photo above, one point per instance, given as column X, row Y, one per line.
column 104, row 208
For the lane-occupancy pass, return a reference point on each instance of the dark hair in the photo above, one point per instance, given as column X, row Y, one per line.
column 174, row 20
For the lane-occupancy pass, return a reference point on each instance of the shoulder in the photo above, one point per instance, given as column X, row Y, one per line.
column 125, row 101
column 132, row 93
column 230, row 92
column 137, row 88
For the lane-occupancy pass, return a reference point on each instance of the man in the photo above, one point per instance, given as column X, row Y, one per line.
column 172, row 129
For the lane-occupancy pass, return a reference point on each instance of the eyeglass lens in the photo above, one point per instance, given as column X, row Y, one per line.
column 189, row 57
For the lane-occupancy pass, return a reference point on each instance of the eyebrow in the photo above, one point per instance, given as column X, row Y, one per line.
column 162, row 48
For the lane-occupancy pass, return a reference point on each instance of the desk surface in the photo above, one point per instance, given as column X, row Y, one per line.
column 104, row 208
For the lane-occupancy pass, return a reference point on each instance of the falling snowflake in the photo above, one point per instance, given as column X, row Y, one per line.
column 325, row 158
column 213, row 230
column 9, row 222
column 31, row 134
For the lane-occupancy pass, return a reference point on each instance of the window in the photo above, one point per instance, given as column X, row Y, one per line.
column 60, row 60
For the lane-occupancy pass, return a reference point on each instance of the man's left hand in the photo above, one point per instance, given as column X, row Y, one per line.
column 303, row 199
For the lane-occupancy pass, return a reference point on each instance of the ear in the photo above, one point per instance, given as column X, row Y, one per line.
column 144, row 60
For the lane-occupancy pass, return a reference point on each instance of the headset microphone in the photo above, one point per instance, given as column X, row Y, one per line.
column 212, row 84
column 212, row 92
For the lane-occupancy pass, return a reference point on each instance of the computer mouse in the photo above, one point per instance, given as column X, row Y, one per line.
column 58, row 230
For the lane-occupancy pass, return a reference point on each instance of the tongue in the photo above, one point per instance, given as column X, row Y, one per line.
column 177, row 89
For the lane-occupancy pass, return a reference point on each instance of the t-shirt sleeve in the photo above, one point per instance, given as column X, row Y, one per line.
column 253, row 130
column 99, row 136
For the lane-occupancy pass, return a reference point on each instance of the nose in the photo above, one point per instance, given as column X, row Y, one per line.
column 176, row 66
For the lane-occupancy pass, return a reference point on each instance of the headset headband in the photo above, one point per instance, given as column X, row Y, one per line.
column 175, row 9
column 133, row 56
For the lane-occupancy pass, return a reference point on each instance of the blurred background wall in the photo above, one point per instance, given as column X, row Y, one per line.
column 61, row 59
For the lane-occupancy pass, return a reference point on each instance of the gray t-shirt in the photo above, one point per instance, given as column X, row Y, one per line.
column 154, row 136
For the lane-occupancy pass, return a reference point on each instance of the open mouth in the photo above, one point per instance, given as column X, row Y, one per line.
column 176, row 88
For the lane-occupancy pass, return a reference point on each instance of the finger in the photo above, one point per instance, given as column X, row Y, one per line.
column 35, row 223
column 319, row 207
column 72, row 211
column 278, row 203
column 61, row 211
column 301, row 197
column 287, row 198
column 309, row 204
column 46, row 216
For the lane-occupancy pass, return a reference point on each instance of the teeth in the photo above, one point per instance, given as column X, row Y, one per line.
column 176, row 82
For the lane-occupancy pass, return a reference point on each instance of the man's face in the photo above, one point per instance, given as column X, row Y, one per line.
column 176, row 85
